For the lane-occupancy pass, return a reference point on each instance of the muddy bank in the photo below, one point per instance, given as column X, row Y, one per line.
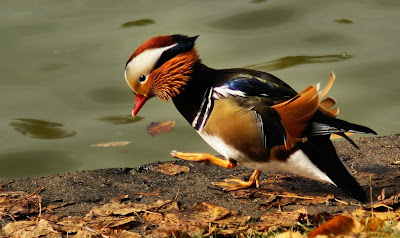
column 378, row 159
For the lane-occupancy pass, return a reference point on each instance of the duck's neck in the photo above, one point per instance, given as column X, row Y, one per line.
column 190, row 102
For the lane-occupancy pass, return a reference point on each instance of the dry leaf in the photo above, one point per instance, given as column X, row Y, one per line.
column 115, row 207
column 19, row 203
column 339, row 225
column 171, row 169
column 192, row 222
column 86, row 232
column 108, row 232
column 373, row 224
column 397, row 227
column 385, row 216
column 274, row 220
column 39, row 228
column 112, row 144
column 75, row 223
column 155, row 128
column 290, row 234
column 276, row 200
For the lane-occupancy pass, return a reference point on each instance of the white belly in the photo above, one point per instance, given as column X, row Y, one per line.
column 298, row 163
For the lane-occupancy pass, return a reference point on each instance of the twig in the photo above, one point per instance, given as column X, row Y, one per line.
column 138, row 216
column 382, row 205
column 177, row 193
column 152, row 212
column 34, row 193
column 40, row 209
column 289, row 196
column 147, row 194
column 12, row 217
column 6, row 183
column 91, row 230
column 370, row 194
column 343, row 202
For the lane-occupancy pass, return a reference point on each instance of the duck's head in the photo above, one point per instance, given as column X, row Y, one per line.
column 160, row 67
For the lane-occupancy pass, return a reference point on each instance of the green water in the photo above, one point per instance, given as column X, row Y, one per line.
column 62, row 87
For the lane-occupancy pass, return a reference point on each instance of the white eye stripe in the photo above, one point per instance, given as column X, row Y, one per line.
column 148, row 57
column 144, row 63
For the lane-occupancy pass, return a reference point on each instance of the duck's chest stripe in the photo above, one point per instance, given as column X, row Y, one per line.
column 204, row 111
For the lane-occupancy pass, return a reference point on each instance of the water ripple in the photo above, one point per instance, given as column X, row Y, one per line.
column 291, row 61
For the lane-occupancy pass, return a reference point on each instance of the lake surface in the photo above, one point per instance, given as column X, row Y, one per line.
column 62, row 87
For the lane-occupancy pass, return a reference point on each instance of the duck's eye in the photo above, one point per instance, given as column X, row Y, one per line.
column 142, row 78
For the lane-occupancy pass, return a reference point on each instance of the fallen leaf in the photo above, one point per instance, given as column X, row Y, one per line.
column 290, row 234
column 115, row 207
column 202, row 217
column 389, row 215
column 18, row 204
column 274, row 220
column 339, row 225
column 155, row 128
column 75, row 223
column 171, row 169
column 276, row 200
column 38, row 228
column 397, row 227
column 112, row 144
column 108, row 232
column 373, row 224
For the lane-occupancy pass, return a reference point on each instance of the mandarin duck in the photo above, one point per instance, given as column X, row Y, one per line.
column 249, row 117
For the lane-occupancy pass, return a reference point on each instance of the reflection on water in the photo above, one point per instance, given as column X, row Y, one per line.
column 257, row 1
column 291, row 61
column 141, row 22
column 256, row 19
column 117, row 120
column 344, row 21
column 53, row 67
column 41, row 129
column 111, row 94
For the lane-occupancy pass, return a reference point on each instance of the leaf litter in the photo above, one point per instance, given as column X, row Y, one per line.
column 171, row 169
column 121, row 217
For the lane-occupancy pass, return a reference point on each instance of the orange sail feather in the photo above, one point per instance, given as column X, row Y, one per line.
column 296, row 112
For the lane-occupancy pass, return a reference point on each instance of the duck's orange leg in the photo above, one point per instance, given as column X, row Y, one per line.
column 236, row 183
column 229, row 184
column 203, row 157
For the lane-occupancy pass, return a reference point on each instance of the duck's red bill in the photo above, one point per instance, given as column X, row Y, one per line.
column 139, row 102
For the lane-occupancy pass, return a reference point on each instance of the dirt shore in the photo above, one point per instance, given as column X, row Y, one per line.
column 377, row 164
